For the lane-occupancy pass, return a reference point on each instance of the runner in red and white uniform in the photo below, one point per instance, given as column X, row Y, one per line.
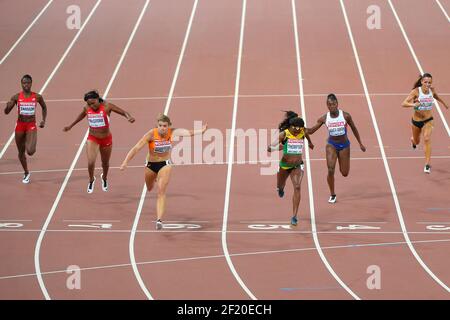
column 26, row 130
column 100, row 139
column 338, row 145
column 158, row 168
column 421, row 98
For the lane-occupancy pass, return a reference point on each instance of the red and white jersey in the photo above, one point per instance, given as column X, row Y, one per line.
column 98, row 119
column 27, row 106
column 336, row 126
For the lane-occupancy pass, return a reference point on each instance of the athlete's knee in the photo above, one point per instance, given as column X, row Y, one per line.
column 426, row 139
column 161, row 192
column 330, row 171
column 345, row 173
column 31, row 151
column 297, row 187
column 21, row 154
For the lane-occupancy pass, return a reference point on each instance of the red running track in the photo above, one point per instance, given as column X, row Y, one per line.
column 186, row 59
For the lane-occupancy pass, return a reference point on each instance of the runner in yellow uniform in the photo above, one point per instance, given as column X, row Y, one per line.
column 291, row 139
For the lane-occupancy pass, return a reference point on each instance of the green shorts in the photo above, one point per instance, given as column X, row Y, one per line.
column 290, row 166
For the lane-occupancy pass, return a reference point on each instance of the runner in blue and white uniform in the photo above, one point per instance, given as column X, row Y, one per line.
column 338, row 145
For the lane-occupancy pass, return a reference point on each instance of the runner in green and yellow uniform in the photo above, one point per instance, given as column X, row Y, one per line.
column 291, row 141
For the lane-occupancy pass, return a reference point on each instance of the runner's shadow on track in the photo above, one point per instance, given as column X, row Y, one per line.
column 440, row 175
column 84, row 178
column 349, row 197
column 10, row 162
column 153, row 196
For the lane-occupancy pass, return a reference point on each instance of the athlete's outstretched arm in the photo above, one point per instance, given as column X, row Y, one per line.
column 352, row 125
column 11, row 103
column 78, row 119
column 319, row 123
column 120, row 111
column 41, row 101
column 410, row 101
column 436, row 96
column 274, row 146
column 310, row 144
column 180, row 132
column 148, row 137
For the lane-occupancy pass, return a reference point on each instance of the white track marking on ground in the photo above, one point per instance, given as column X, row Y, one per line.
column 69, row 173
column 443, row 10
column 385, row 162
column 308, row 167
column 11, row 138
column 231, row 156
column 126, row 265
column 433, row 222
column 354, row 222
column 26, row 31
column 244, row 96
column 228, row 231
column 216, row 163
column 131, row 247
column 438, row 108
column 171, row 221
column 144, row 189
column 91, row 220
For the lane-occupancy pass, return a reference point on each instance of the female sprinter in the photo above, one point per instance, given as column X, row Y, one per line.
column 338, row 145
column 100, row 139
column 421, row 99
column 26, row 131
column 292, row 135
column 158, row 168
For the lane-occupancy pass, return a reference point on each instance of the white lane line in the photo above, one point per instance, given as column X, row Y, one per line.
column 215, row 163
column 26, row 31
column 182, row 222
column 91, row 220
column 443, row 10
column 66, row 180
column 243, row 96
column 180, row 59
column 432, row 222
column 308, row 167
column 144, row 189
column 385, row 162
column 435, row 232
column 131, row 246
column 11, row 138
column 354, row 222
column 438, row 108
column 231, row 156
column 126, row 265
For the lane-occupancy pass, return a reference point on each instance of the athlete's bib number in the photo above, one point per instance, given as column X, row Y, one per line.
column 294, row 146
column 27, row 110
column 96, row 120
column 162, row 146
column 425, row 104
column 337, row 131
